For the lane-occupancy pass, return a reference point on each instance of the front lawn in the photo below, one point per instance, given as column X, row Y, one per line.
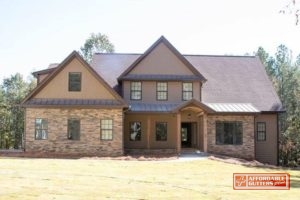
column 114, row 179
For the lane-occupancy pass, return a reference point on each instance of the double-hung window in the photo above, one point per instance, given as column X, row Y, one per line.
column 135, row 131
column 187, row 91
column 162, row 91
column 261, row 131
column 73, row 129
column 136, row 90
column 161, row 131
column 41, row 129
column 106, row 129
column 75, row 81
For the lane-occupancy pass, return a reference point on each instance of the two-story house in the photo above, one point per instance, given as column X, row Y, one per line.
column 159, row 101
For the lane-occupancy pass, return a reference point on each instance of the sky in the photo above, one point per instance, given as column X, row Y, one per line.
column 35, row 33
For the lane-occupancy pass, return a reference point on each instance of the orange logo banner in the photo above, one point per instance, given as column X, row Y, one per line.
column 261, row 181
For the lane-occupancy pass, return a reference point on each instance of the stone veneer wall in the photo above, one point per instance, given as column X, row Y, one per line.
column 246, row 150
column 89, row 143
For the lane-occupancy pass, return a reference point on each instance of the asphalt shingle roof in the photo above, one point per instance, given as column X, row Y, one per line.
column 230, row 79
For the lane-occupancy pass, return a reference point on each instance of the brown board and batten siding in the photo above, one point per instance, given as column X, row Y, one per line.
column 266, row 151
column 149, row 92
column 148, row 132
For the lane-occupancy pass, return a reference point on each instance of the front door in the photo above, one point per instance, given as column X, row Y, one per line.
column 186, row 135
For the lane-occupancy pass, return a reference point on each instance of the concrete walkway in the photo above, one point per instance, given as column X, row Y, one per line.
column 192, row 155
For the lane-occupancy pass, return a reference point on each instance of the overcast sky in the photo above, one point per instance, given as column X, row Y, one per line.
column 35, row 33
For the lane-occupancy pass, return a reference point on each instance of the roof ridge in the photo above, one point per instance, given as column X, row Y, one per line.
column 204, row 55
column 118, row 53
column 207, row 55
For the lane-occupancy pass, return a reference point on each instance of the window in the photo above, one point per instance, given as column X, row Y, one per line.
column 187, row 91
column 162, row 91
column 261, row 131
column 73, row 129
column 41, row 129
column 136, row 91
column 106, row 129
column 75, row 81
column 229, row 133
column 135, row 131
column 161, row 131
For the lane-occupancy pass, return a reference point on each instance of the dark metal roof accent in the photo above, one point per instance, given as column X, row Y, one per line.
column 161, row 77
column 146, row 107
column 72, row 102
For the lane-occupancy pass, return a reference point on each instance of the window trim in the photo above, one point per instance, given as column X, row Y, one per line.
column 130, row 123
column 35, row 129
column 69, row 84
column 265, row 132
column 187, row 91
column 103, row 129
column 233, row 144
column 156, row 131
column 163, row 91
column 131, row 90
column 79, row 121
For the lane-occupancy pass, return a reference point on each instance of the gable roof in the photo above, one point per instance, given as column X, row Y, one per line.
column 236, row 79
column 194, row 102
column 230, row 79
column 163, row 40
column 59, row 68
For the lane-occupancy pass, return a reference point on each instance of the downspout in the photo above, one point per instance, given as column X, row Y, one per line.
column 277, row 138
column 254, row 123
column 24, row 131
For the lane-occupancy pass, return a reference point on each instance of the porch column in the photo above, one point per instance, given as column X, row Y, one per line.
column 148, row 131
column 205, row 132
column 178, row 118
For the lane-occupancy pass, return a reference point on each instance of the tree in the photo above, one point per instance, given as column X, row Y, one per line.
column 13, row 91
column 267, row 61
column 293, row 7
column 96, row 43
column 285, row 76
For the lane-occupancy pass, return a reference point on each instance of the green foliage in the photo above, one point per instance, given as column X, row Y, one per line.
column 285, row 76
column 12, row 91
column 96, row 43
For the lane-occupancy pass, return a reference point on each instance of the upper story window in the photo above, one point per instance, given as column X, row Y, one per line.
column 187, row 91
column 75, row 81
column 136, row 91
column 162, row 91
column 261, row 131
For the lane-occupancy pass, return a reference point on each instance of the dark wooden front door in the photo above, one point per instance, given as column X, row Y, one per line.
column 186, row 135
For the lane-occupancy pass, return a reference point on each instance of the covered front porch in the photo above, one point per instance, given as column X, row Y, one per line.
column 185, row 127
column 192, row 123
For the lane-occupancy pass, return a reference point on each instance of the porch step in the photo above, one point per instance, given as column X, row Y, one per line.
column 189, row 150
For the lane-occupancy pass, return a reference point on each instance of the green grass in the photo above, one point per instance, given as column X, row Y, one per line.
column 108, row 179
